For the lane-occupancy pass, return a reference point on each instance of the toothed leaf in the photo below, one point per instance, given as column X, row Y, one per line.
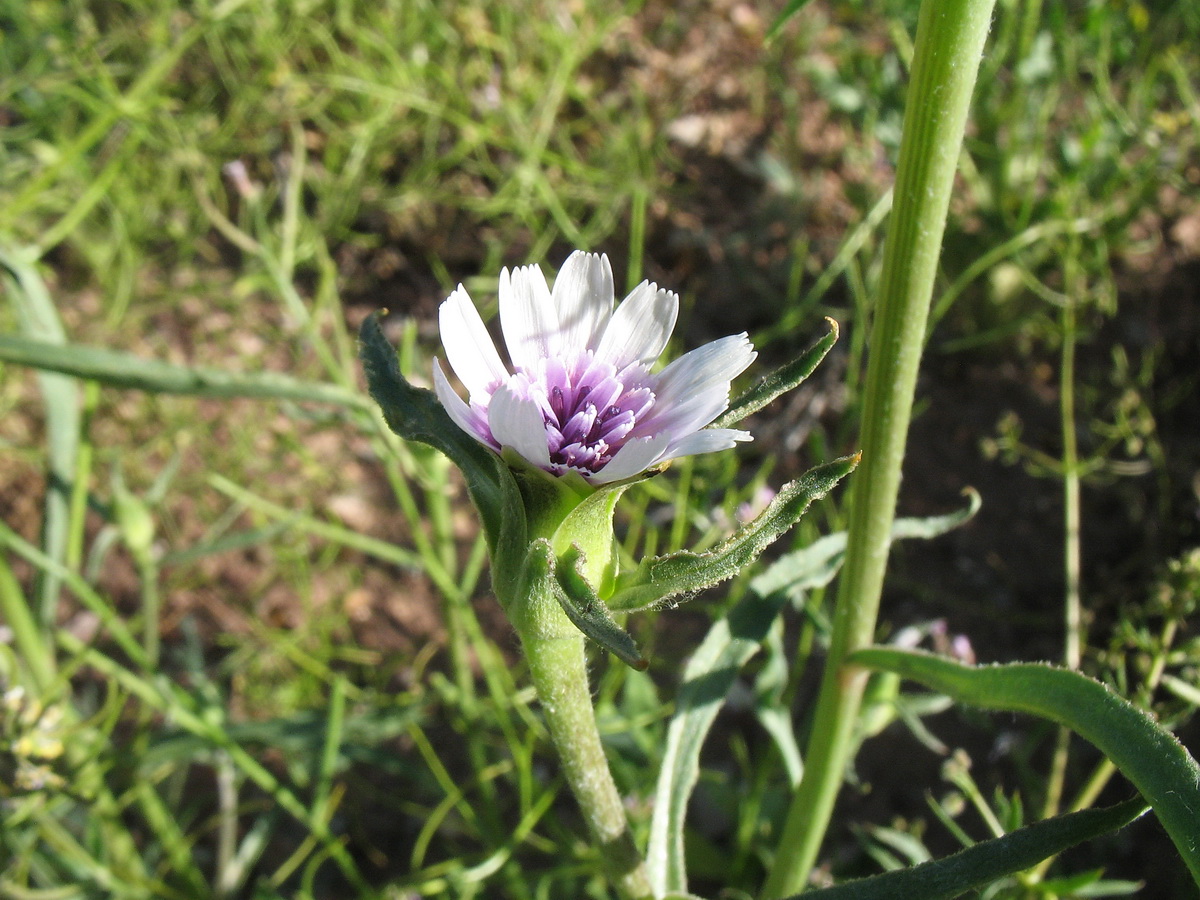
column 682, row 573
column 787, row 377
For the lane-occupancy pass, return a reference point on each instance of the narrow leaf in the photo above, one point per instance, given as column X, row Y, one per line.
column 127, row 370
column 988, row 861
column 772, row 712
column 793, row 7
column 773, row 384
column 815, row 565
column 1145, row 752
column 663, row 577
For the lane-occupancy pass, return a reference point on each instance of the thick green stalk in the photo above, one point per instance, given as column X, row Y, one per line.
column 554, row 649
column 949, row 45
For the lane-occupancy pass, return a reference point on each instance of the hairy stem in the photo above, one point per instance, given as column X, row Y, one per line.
column 948, row 49
column 554, row 648
column 558, row 668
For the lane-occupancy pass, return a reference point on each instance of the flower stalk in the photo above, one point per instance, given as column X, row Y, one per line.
column 554, row 649
column 948, row 49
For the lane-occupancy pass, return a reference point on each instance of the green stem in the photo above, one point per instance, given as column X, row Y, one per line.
column 31, row 645
column 949, row 45
column 558, row 667
column 1073, row 621
column 148, row 574
column 1073, row 606
column 554, row 648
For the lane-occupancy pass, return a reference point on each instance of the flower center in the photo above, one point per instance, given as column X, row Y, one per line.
column 588, row 407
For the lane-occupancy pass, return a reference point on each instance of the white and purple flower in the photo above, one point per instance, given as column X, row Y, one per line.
column 581, row 396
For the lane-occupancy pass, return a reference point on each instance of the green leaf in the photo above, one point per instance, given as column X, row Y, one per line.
column 988, row 861
column 772, row 712
column 586, row 611
column 416, row 415
column 787, row 377
column 1085, row 884
column 126, row 370
column 663, row 577
column 299, row 736
column 815, row 565
column 589, row 528
column 1145, row 752
column 793, row 7
column 38, row 319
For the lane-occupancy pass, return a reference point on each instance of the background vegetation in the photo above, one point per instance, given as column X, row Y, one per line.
column 260, row 659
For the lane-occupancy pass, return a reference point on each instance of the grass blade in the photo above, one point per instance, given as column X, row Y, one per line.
column 989, row 861
column 126, row 370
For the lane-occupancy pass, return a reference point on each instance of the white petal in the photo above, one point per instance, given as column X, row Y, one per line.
column 694, row 389
column 636, row 456
column 583, row 299
column 639, row 329
column 705, row 441
column 469, row 347
column 527, row 316
column 517, row 422
column 462, row 415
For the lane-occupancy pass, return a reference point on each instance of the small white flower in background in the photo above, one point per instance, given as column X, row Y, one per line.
column 580, row 395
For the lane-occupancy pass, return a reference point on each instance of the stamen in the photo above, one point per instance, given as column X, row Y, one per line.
column 587, row 424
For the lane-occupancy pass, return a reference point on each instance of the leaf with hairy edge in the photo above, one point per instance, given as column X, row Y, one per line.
column 416, row 415
column 787, row 377
column 574, row 594
column 728, row 646
column 988, row 861
column 815, row 565
column 663, row 577
column 1145, row 752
